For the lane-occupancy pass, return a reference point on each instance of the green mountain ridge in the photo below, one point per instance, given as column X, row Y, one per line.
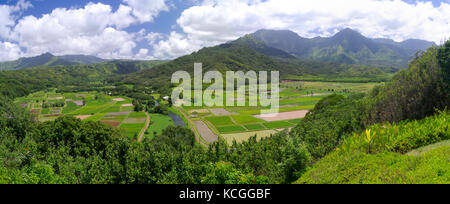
column 239, row 56
column 346, row 47
column 49, row 60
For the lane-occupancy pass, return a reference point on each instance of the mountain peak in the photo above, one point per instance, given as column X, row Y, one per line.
column 268, row 32
column 348, row 32
column 47, row 54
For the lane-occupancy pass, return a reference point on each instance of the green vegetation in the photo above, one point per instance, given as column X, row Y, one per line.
column 220, row 120
column 278, row 124
column 137, row 115
column 245, row 119
column 231, row 129
column 132, row 129
column 392, row 168
column 346, row 47
column 376, row 156
column 158, row 123
column 254, row 127
column 70, row 107
column 75, row 78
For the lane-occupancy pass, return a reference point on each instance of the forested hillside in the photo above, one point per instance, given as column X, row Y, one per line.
column 412, row 94
column 23, row 82
column 406, row 114
column 346, row 47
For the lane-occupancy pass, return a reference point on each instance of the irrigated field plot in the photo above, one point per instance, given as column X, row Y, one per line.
column 92, row 106
column 283, row 116
column 231, row 129
column 220, row 120
column 255, row 127
column 246, row 119
column 278, row 125
column 158, row 123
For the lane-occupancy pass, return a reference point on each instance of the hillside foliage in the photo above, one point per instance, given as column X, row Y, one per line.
column 377, row 155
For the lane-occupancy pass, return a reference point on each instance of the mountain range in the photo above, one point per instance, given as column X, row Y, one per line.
column 347, row 56
column 49, row 60
column 265, row 49
column 346, row 47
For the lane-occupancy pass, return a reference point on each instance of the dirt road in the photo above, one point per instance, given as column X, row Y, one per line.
column 147, row 124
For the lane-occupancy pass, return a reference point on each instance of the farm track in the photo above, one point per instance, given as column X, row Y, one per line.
column 147, row 124
column 198, row 137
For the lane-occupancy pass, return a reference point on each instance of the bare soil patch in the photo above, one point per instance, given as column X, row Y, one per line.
column 52, row 115
column 110, row 122
column 118, row 99
column 245, row 136
column 78, row 103
column 82, row 117
column 283, row 116
column 199, row 111
column 36, row 111
column 220, row 112
column 127, row 105
column 135, row 120
column 56, row 98
column 319, row 94
column 119, row 113
column 205, row 132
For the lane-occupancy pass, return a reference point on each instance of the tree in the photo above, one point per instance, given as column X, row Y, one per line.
column 444, row 62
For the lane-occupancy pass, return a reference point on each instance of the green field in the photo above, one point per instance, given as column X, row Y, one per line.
column 98, row 107
column 278, row 124
column 294, row 96
column 220, row 120
column 70, row 107
column 295, row 121
column 158, row 123
column 245, row 119
column 137, row 115
column 132, row 130
column 231, row 129
column 254, row 127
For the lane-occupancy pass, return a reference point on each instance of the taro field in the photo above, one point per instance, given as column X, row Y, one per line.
column 116, row 111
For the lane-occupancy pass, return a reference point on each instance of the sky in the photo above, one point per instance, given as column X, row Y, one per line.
column 166, row 29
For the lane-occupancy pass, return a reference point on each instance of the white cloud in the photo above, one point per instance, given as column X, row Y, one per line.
column 176, row 44
column 9, row 51
column 7, row 17
column 143, row 54
column 216, row 21
column 92, row 30
column 96, row 29
column 147, row 10
column 6, row 21
column 152, row 37
column 122, row 18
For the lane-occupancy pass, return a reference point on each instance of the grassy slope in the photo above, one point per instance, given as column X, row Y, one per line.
column 385, row 161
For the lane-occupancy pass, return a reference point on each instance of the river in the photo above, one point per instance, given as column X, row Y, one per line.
column 177, row 120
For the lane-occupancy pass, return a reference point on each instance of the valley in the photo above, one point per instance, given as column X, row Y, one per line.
column 344, row 117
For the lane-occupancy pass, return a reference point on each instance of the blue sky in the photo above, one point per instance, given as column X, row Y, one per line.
column 166, row 29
